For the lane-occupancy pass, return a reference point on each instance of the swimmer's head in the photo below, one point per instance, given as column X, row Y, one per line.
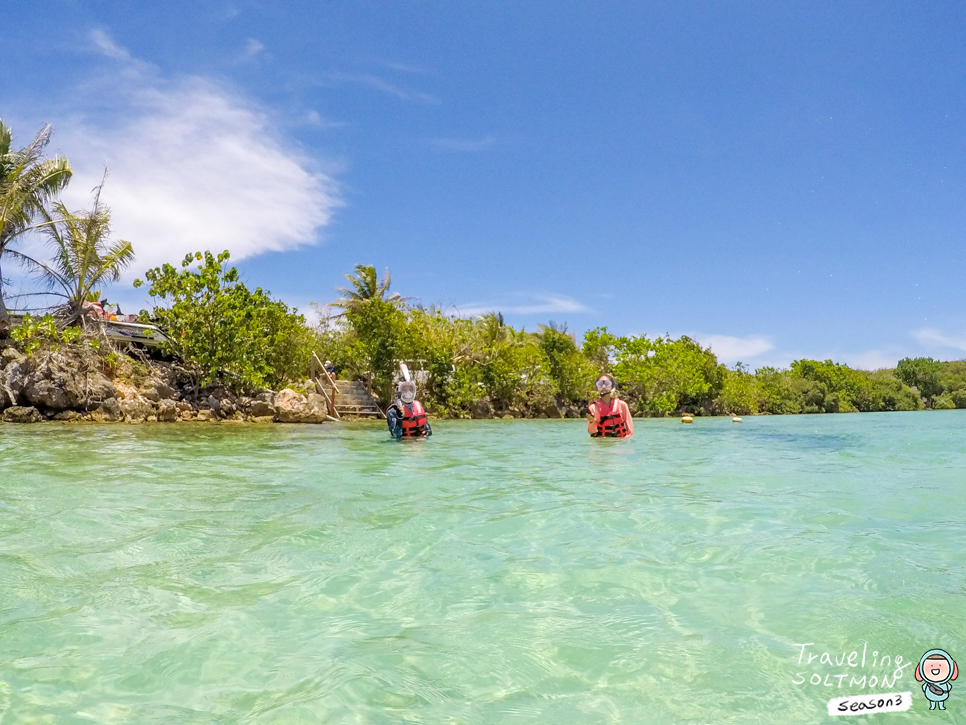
column 407, row 391
column 605, row 384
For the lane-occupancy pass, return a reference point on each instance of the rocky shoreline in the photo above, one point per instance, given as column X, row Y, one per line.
column 76, row 384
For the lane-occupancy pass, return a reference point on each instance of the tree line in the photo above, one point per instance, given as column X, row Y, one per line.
column 227, row 334
column 469, row 361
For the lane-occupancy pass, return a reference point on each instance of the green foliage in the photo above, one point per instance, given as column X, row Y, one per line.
column 380, row 333
column 83, row 256
column 33, row 334
column 518, row 376
column 921, row 373
column 598, row 348
column 780, row 395
column 241, row 337
column 661, row 375
column 28, row 182
column 943, row 402
column 570, row 371
column 366, row 287
column 832, row 388
column 741, row 393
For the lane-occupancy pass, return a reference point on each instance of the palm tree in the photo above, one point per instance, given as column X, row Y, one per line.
column 28, row 181
column 83, row 256
column 493, row 328
column 366, row 287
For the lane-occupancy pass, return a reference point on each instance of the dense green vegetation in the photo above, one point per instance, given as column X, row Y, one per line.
column 467, row 362
column 243, row 339
column 228, row 333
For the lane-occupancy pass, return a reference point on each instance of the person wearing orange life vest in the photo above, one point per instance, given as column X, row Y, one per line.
column 406, row 417
column 609, row 416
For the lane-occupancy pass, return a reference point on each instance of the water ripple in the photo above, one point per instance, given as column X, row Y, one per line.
column 503, row 571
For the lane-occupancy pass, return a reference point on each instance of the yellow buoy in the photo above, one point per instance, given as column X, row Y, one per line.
column 736, row 419
column 687, row 419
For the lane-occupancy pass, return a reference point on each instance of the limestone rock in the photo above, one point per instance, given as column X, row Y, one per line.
column 550, row 410
column 53, row 382
column 99, row 389
column 259, row 409
column 21, row 414
column 9, row 355
column 318, row 404
column 167, row 411
column 155, row 390
column 136, row 408
column 166, row 392
column 481, row 408
column 69, row 416
column 49, row 394
column 12, row 380
column 109, row 410
column 292, row 407
column 205, row 415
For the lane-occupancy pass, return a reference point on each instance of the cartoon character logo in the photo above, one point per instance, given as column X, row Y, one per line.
column 935, row 671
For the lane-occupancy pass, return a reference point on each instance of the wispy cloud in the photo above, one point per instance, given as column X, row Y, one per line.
column 192, row 166
column 105, row 45
column 539, row 304
column 383, row 86
column 730, row 349
column 314, row 118
column 871, row 360
column 460, row 144
column 252, row 49
column 405, row 68
column 931, row 337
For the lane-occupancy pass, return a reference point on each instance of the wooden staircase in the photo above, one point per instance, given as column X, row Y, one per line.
column 344, row 397
column 352, row 398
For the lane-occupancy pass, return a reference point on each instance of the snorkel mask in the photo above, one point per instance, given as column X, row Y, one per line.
column 604, row 385
column 407, row 392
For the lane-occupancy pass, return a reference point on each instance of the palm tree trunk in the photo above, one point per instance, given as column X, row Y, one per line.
column 3, row 307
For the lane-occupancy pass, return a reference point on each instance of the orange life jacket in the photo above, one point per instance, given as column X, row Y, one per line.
column 413, row 420
column 610, row 422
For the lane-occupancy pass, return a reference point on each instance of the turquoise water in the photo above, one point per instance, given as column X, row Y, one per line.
column 501, row 572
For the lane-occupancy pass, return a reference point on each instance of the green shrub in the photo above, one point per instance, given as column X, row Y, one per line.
column 239, row 337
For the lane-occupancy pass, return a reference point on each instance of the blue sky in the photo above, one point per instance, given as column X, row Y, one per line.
column 777, row 180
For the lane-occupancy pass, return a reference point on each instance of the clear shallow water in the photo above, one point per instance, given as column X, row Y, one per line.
column 501, row 572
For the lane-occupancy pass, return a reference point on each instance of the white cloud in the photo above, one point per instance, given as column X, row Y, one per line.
column 542, row 304
column 460, row 144
column 405, row 68
column 870, row 360
column 931, row 337
column 192, row 166
column 384, row 86
column 314, row 118
column 252, row 48
column 106, row 46
column 730, row 350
